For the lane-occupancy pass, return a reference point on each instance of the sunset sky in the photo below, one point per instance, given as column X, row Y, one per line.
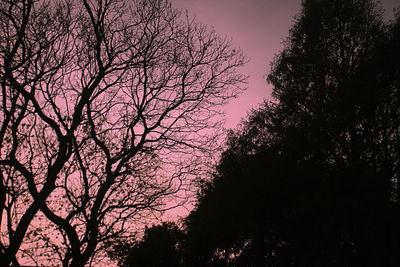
column 258, row 27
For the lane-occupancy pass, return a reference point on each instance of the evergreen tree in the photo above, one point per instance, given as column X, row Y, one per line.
column 312, row 180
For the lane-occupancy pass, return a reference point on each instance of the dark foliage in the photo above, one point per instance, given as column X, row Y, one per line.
column 160, row 247
column 312, row 180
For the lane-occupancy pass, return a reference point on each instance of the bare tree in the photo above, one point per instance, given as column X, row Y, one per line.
column 103, row 105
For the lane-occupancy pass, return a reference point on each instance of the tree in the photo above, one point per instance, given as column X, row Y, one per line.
column 337, row 73
column 160, row 246
column 244, row 214
column 312, row 179
column 104, row 105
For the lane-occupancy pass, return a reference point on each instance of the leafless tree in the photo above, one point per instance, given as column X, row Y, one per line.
column 103, row 105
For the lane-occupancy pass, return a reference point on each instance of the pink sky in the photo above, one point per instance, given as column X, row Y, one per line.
column 258, row 27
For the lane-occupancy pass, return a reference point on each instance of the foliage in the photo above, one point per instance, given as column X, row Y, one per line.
column 312, row 180
column 105, row 107
column 160, row 246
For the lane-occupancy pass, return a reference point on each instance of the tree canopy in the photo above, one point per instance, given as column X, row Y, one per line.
column 105, row 106
column 160, row 246
column 311, row 179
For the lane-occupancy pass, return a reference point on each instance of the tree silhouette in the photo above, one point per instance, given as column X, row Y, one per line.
column 159, row 247
column 104, row 105
column 312, row 179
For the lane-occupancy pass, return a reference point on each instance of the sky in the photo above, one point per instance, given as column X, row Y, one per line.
column 258, row 27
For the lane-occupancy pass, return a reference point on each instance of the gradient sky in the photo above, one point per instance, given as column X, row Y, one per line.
column 258, row 27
